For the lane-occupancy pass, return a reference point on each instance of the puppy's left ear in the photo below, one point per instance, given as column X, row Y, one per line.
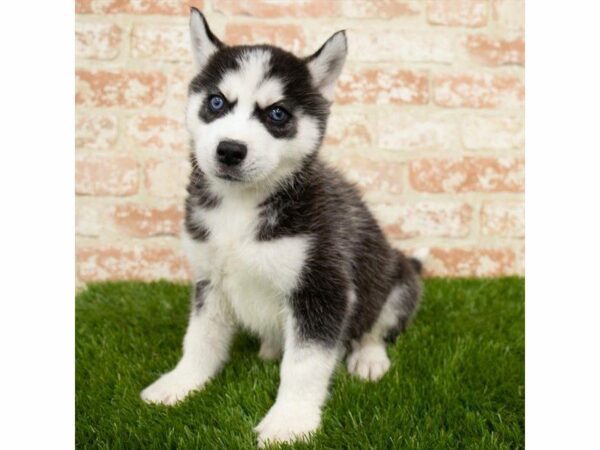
column 326, row 64
column 204, row 42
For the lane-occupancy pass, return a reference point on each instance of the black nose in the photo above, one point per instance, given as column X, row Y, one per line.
column 231, row 153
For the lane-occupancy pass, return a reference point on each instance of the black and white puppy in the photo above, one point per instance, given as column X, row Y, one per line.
column 279, row 243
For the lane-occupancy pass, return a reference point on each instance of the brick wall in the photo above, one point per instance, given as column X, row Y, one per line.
column 428, row 122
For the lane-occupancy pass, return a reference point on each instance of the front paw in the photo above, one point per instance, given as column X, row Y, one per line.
column 171, row 388
column 287, row 424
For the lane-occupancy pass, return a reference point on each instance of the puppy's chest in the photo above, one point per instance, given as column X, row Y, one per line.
column 253, row 276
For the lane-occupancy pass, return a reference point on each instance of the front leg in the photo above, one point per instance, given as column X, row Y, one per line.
column 305, row 372
column 312, row 349
column 205, row 350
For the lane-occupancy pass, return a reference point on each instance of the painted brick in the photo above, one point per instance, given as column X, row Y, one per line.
column 478, row 90
column 289, row 37
column 404, row 221
column 372, row 175
column 496, row 51
column 408, row 131
column 400, row 46
column 381, row 86
column 468, row 262
column 385, row 9
column 380, row 9
column 166, row 7
column 83, row 6
column 467, row 174
column 161, row 42
column 166, row 178
column 93, row 218
column 158, row 132
column 97, row 217
column 97, row 40
column 349, row 129
column 278, row 9
column 142, row 220
column 506, row 219
column 508, row 14
column 498, row 133
column 106, row 175
column 467, row 13
column 520, row 259
column 95, row 130
column 140, row 262
column 179, row 77
column 129, row 89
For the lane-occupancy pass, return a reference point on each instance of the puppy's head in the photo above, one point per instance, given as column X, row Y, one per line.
column 255, row 113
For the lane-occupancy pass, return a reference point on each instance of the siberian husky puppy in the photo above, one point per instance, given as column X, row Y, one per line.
column 278, row 242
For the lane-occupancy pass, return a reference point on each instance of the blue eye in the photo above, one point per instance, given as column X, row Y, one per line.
column 278, row 115
column 216, row 103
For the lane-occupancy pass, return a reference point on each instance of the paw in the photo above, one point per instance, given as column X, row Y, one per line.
column 287, row 425
column 269, row 351
column 369, row 363
column 171, row 388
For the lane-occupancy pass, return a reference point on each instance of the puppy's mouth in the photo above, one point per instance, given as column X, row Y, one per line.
column 229, row 177
column 241, row 175
column 230, row 174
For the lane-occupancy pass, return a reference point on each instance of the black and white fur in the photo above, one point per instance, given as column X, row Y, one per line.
column 279, row 243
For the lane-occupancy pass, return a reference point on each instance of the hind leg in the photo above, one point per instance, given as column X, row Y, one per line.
column 368, row 358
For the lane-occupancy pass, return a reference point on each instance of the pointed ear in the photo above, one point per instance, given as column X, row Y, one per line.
column 326, row 64
column 204, row 42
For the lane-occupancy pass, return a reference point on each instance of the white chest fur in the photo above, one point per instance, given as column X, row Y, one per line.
column 253, row 277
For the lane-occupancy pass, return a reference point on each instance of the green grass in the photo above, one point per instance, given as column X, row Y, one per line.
column 456, row 381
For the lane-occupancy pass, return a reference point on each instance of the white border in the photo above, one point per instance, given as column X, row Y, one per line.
column 37, row 229
column 563, row 225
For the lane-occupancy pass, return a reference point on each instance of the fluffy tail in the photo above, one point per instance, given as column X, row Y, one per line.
column 417, row 260
column 406, row 302
column 417, row 265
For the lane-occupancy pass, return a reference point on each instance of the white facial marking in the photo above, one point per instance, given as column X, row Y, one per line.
column 243, row 83
column 270, row 91
column 191, row 113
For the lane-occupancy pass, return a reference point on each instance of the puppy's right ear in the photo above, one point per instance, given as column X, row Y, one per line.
column 204, row 42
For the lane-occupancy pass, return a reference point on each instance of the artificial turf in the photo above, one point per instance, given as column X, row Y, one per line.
column 456, row 381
